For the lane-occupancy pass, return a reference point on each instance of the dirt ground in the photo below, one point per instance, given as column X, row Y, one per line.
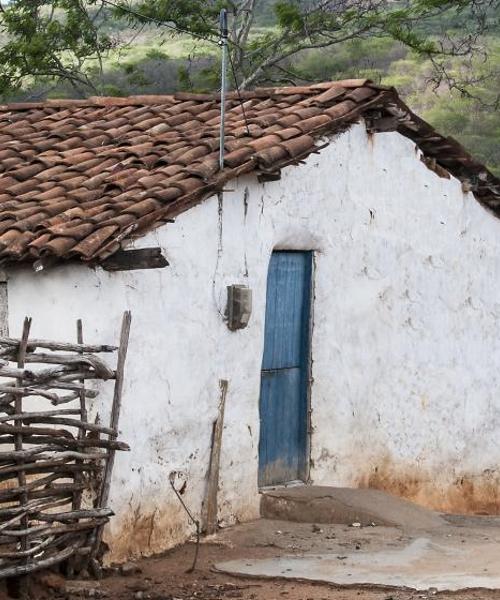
column 165, row 577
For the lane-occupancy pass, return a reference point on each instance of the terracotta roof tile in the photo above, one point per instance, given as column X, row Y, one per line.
column 206, row 168
column 40, row 241
column 329, row 94
column 239, row 156
column 58, row 246
column 360, row 94
column 272, row 156
column 264, row 142
column 341, row 109
column 78, row 177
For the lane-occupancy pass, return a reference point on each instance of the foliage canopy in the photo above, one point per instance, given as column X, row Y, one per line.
column 58, row 38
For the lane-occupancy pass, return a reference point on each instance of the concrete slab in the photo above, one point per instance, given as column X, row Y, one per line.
column 422, row 564
column 320, row 504
column 409, row 546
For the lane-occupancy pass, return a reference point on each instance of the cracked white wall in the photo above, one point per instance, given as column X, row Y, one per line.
column 405, row 348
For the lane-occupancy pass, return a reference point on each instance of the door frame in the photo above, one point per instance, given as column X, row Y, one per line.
column 305, row 475
column 310, row 381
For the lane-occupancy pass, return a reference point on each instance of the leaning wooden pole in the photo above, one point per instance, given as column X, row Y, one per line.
column 115, row 416
column 18, row 445
column 79, row 475
column 210, row 524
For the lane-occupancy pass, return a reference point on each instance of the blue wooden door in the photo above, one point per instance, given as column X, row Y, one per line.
column 285, row 369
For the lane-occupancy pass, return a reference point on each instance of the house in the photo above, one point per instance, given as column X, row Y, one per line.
column 340, row 274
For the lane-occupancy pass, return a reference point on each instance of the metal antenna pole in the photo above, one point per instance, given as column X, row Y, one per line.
column 223, row 45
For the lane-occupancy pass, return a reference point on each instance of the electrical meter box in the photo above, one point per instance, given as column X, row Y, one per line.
column 239, row 306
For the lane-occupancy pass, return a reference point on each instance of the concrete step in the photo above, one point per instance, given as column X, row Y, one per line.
column 321, row 504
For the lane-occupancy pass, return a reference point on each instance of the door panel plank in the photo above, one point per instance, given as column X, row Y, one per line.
column 281, row 426
column 284, row 310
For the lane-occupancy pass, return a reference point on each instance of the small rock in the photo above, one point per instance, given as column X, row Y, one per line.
column 84, row 589
column 130, row 568
column 356, row 524
column 316, row 528
column 138, row 586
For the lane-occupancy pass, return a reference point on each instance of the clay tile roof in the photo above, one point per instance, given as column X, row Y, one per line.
column 79, row 177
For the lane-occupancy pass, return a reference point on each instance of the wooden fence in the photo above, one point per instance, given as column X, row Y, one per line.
column 55, row 464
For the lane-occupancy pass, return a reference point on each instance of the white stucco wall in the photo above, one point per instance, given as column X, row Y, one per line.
column 405, row 344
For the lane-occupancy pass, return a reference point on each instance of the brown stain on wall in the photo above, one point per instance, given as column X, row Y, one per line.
column 145, row 530
column 441, row 490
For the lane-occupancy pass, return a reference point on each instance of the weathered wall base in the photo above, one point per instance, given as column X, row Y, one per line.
column 463, row 493
column 147, row 530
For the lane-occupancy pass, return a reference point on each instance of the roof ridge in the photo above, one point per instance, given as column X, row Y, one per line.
column 150, row 99
column 91, row 101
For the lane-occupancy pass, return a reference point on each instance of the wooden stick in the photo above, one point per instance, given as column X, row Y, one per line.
column 48, row 345
column 65, row 441
column 60, row 489
column 33, row 506
column 115, row 416
column 13, row 520
column 27, row 391
column 69, row 422
column 60, row 373
column 52, row 529
column 210, row 524
column 77, row 498
column 30, row 552
column 83, row 407
column 63, row 373
column 82, row 374
column 22, row 454
column 28, row 430
column 32, row 566
column 43, row 465
column 77, row 514
column 77, row 387
column 19, row 373
column 7, row 494
column 26, row 416
column 21, row 475
column 68, row 398
column 68, row 360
